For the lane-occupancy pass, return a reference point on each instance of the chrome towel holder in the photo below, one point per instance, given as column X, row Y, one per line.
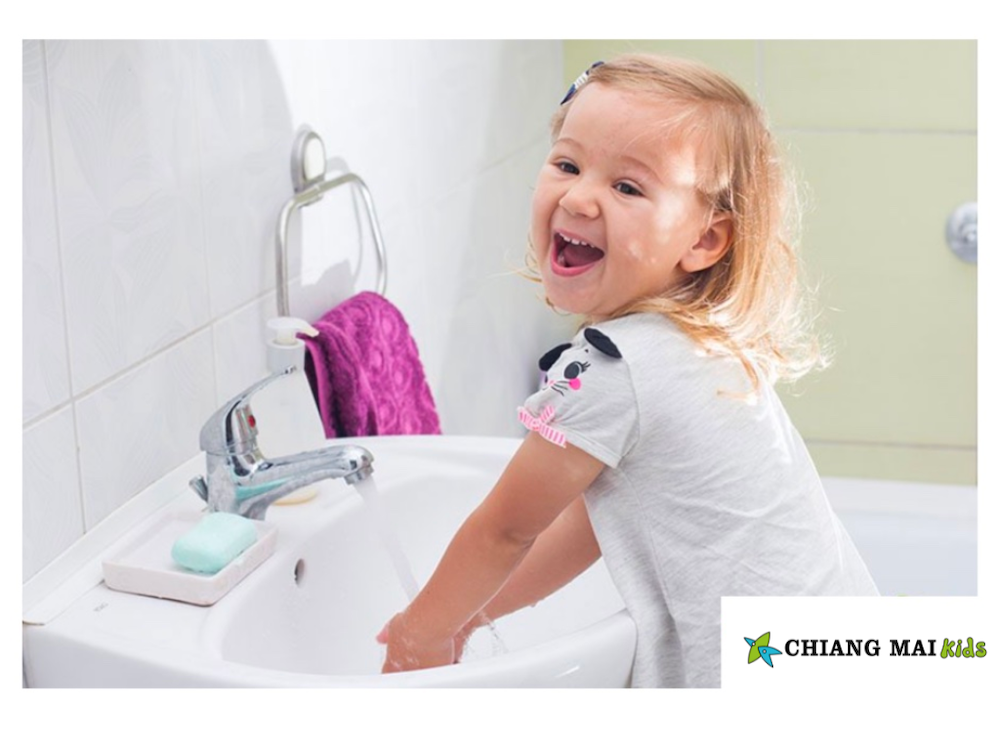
column 962, row 232
column 309, row 167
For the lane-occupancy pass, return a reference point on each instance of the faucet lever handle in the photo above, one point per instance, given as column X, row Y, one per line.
column 232, row 428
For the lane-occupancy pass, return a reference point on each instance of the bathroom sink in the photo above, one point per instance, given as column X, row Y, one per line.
column 308, row 616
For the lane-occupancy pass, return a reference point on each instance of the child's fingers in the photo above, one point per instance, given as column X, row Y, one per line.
column 383, row 635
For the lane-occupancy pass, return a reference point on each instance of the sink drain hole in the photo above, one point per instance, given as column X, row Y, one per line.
column 300, row 569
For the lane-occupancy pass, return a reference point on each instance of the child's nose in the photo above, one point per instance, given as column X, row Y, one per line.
column 581, row 200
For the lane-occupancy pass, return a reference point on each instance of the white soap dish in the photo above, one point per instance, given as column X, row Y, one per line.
column 146, row 566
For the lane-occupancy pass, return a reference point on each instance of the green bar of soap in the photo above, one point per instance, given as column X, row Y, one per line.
column 214, row 542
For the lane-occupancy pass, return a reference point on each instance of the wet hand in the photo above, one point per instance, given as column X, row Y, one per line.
column 407, row 649
column 462, row 636
column 460, row 640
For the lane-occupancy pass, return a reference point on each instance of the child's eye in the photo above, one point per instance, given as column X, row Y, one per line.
column 567, row 167
column 627, row 189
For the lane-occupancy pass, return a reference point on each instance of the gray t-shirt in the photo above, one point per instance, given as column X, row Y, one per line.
column 703, row 495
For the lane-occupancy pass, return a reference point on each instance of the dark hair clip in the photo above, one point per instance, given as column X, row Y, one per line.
column 579, row 82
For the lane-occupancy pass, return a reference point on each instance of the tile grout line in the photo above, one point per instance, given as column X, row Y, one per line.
column 138, row 363
column 199, row 157
column 881, row 444
column 873, row 131
column 71, row 402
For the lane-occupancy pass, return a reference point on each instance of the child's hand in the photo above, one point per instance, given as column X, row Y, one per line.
column 463, row 635
column 407, row 650
column 460, row 639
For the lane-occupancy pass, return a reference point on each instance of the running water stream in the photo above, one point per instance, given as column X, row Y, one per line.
column 390, row 540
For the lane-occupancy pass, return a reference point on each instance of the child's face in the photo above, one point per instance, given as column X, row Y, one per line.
column 613, row 182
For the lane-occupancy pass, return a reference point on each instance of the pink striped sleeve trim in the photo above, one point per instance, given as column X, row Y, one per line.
column 540, row 424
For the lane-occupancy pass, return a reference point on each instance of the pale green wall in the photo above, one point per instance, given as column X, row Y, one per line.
column 882, row 135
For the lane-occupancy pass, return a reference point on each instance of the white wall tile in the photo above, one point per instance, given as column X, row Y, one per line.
column 245, row 138
column 489, row 100
column 530, row 89
column 50, row 502
column 240, row 347
column 43, row 363
column 143, row 424
column 453, row 114
column 130, row 207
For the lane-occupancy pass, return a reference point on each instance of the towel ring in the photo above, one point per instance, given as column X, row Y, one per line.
column 309, row 167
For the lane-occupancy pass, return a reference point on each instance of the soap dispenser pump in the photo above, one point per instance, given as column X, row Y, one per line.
column 285, row 411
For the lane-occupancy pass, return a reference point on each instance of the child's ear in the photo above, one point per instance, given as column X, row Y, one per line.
column 551, row 357
column 601, row 342
column 711, row 246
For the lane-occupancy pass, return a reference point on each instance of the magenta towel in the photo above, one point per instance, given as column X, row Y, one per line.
column 365, row 372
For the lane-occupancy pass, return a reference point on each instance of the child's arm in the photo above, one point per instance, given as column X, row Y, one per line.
column 562, row 552
column 540, row 482
column 566, row 549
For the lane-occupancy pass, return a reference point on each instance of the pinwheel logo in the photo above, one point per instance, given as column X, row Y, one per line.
column 760, row 650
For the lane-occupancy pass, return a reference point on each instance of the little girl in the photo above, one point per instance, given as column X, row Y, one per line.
column 657, row 440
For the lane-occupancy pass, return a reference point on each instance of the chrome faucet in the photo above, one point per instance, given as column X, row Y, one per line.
column 240, row 479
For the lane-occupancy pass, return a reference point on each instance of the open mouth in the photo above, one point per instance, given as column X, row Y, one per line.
column 573, row 255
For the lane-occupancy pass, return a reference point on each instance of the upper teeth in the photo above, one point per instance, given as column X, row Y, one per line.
column 573, row 241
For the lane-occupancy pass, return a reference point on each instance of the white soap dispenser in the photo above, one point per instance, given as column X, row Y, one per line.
column 287, row 418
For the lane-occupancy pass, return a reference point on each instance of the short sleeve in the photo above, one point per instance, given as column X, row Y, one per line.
column 587, row 400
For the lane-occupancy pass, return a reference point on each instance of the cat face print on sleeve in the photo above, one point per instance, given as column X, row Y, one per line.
column 568, row 377
column 566, row 369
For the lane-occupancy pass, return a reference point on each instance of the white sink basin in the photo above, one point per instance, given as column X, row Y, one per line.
column 309, row 615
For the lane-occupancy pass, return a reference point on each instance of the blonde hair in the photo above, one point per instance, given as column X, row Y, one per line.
column 749, row 304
